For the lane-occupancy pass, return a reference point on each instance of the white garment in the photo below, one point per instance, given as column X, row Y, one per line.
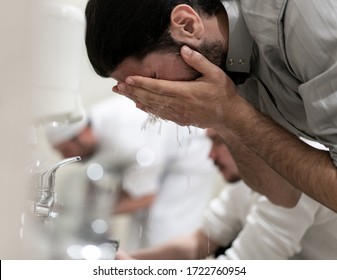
column 161, row 158
column 262, row 230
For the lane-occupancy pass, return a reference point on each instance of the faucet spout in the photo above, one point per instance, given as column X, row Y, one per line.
column 47, row 177
column 45, row 195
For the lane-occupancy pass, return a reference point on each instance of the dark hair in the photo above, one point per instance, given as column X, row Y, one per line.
column 117, row 29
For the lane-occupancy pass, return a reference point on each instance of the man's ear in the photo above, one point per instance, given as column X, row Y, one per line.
column 186, row 25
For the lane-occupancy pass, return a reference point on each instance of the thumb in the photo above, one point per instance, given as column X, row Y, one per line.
column 199, row 62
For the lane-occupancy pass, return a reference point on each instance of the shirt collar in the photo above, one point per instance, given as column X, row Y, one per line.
column 240, row 41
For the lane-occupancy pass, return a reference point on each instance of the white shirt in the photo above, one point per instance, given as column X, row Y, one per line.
column 262, row 230
column 163, row 158
column 125, row 148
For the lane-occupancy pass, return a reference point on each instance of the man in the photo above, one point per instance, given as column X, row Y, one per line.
column 288, row 49
column 166, row 179
column 252, row 226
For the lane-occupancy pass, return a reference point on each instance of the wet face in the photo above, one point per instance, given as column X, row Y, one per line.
column 169, row 66
column 222, row 158
column 156, row 65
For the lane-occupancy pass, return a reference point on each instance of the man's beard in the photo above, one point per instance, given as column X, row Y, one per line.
column 214, row 52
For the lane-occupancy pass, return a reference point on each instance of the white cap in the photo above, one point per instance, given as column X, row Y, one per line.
column 59, row 133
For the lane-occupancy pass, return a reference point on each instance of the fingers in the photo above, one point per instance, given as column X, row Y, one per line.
column 165, row 113
column 142, row 95
column 199, row 62
column 164, row 87
column 158, row 105
column 153, row 90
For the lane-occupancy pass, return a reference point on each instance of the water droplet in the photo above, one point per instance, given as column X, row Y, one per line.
column 145, row 156
column 108, row 251
column 99, row 226
column 74, row 252
column 91, row 252
column 95, row 171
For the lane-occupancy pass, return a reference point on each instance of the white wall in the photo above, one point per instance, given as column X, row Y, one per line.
column 94, row 88
column 15, row 118
column 14, row 114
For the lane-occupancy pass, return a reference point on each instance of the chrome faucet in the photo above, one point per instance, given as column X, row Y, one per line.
column 77, row 226
column 44, row 195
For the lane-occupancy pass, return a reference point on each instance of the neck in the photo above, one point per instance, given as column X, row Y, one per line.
column 218, row 28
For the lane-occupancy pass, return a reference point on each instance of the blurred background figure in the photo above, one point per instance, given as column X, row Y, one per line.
column 164, row 174
column 252, row 227
column 246, row 225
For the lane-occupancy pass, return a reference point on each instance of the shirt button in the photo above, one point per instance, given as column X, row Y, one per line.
column 242, row 61
column 231, row 61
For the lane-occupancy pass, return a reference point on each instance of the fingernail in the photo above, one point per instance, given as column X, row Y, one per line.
column 130, row 81
column 186, row 50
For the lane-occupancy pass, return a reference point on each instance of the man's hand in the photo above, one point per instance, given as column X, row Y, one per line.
column 122, row 255
column 203, row 102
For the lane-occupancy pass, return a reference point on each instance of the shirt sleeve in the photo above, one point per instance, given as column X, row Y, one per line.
column 311, row 46
column 223, row 218
column 259, row 229
column 273, row 232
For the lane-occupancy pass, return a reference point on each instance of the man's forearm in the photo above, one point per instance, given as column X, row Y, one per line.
column 258, row 175
column 176, row 249
column 188, row 247
column 307, row 169
column 127, row 204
